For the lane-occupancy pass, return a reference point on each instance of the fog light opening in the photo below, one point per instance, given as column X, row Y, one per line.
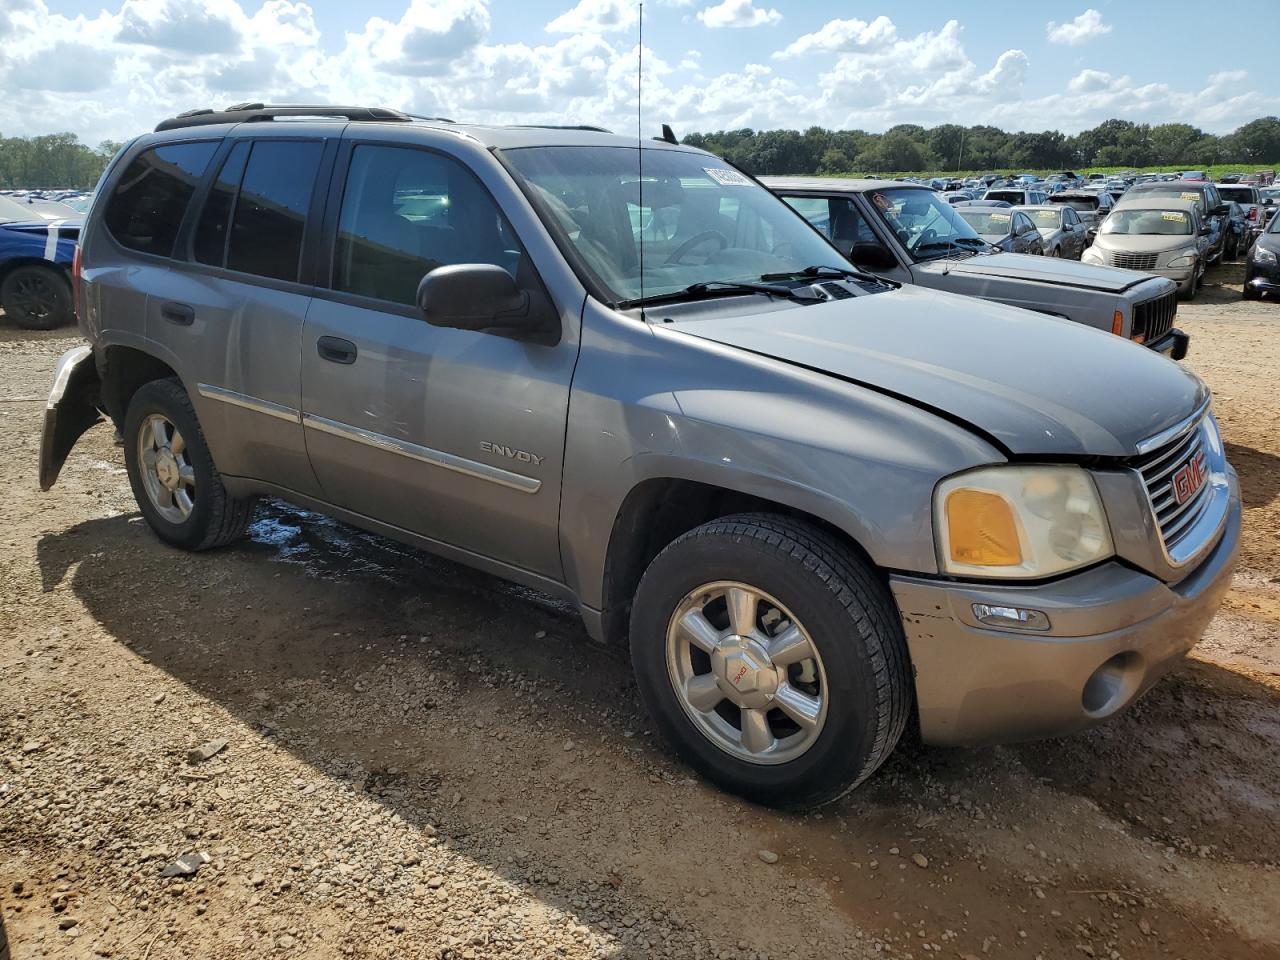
column 1112, row 685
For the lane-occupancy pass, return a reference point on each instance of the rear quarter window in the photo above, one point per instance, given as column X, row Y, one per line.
column 150, row 198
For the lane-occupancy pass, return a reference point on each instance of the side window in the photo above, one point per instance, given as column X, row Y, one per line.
column 817, row 210
column 151, row 196
column 270, row 212
column 406, row 212
column 215, row 219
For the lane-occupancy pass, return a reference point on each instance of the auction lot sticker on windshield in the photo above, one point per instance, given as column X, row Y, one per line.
column 727, row 178
column 1000, row 217
column 1190, row 196
column 1175, row 216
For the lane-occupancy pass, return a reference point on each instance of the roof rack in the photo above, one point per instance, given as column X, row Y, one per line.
column 560, row 126
column 257, row 112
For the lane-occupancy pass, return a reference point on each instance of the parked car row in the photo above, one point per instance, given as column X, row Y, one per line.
column 819, row 499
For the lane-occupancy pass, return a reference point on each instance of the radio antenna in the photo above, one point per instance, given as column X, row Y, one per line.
column 640, row 147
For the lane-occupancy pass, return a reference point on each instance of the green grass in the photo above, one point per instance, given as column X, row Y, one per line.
column 1214, row 172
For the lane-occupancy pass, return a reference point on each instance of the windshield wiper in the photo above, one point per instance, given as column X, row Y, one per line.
column 826, row 272
column 718, row 288
column 950, row 246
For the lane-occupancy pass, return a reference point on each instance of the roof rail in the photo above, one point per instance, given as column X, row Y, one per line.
column 560, row 126
column 256, row 112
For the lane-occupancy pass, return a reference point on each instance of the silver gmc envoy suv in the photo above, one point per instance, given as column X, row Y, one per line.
column 815, row 505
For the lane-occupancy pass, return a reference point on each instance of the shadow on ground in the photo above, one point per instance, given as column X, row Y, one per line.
column 1259, row 474
column 1199, row 746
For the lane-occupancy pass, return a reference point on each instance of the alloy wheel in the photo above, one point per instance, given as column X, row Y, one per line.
column 167, row 474
column 746, row 672
column 34, row 295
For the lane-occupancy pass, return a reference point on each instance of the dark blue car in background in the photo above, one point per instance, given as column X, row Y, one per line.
column 37, row 247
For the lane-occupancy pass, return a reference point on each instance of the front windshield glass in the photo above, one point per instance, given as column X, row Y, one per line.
column 924, row 223
column 1274, row 225
column 693, row 220
column 1170, row 223
column 1045, row 219
column 990, row 222
column 1172, row 189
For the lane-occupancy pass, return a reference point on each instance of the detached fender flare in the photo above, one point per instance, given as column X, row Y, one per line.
column 73, row 408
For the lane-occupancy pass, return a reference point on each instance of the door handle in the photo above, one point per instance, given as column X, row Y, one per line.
column 178, row 313
column 336, row 350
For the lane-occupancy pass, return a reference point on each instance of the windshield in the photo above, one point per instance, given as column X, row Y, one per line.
column 1172, row 190
column 1238, row 194
column 1008, row 196
column 924, row 223
column 989, row 222
column 1083, row 204
column 693, row 220
column 1170, row 223
column 1048, row 219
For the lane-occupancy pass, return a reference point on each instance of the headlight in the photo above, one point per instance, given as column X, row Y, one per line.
column 1186, row 260
column 1019, row 522
column 1262, row 255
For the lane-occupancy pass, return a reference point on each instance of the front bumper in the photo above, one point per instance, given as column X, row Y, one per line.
column 1173, row 344
column 1114, row 631
column 1262, row 276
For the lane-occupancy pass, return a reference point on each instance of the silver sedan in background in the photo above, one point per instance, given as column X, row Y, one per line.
column 1061, row 230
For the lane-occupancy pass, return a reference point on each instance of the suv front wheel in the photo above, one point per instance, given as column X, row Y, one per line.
column 177, row 487
column 771, row 657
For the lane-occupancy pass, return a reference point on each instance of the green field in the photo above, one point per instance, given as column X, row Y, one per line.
column 1214, row 172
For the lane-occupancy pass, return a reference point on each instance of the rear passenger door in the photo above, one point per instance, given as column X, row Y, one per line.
column 235, row 313
column 454, row 435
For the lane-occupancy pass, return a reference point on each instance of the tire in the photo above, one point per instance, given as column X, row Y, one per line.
column 212, row 517
column 1250, row 293
column 1192, row 288
column 37, row 297
column 846, row 615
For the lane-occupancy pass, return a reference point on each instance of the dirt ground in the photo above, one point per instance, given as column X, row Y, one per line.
column 423, row 762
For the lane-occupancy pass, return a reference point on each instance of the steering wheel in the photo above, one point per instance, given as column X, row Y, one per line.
column 927, row 235
column 696, row 240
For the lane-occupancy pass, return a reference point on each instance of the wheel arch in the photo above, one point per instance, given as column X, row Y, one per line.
column 123, row 369
column 658, row 510
column 8, row 266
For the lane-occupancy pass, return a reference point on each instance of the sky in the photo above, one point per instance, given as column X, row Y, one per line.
column 111, row 70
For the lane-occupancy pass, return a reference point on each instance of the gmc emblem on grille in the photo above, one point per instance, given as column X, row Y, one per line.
column 1189, row 478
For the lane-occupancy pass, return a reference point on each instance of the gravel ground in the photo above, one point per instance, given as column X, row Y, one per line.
column 320, row 743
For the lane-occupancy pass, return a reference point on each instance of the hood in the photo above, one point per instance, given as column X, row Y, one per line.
column 1038, row 386
column 1018, row 266
column 1143, row 243
column 67, row 229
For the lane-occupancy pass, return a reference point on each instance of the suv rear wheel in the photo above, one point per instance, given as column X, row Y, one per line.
column 172, row 474
column 37, row 297
column 771, row 658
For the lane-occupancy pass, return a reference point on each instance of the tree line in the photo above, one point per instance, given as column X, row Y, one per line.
column 60, row 160
column 53, row 161
column 909, row 148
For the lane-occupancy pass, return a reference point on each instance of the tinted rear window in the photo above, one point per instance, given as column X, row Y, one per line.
column 151, row 196
column 271, row 210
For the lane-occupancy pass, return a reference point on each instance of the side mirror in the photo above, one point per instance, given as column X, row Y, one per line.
column 1221, row 210
column 1205, row 230
column 484, row 297
column 873, row 256
column 1267, row 202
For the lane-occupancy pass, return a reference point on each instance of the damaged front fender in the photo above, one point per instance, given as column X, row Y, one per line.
column 73, row 408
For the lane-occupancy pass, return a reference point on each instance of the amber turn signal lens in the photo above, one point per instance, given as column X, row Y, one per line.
column 982, row 530
column 1117, row 323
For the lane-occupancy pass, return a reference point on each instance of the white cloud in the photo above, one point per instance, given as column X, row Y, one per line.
column 596, row 16
column 126, row 67
column 738, row 13
column 1088, row 26
column 842, row 36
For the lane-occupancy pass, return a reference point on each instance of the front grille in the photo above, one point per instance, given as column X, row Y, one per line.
column 1133, row 261
column 1152, row 319
column 1158, row 468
